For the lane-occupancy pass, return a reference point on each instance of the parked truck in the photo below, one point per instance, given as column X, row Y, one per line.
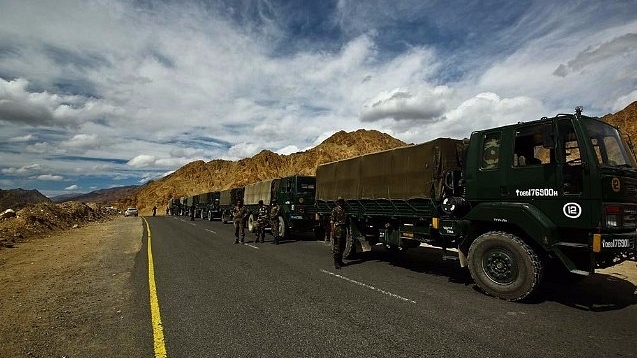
column 227, row 200
column 213, row 209
column 191, row 204
column 517, row 202
column 295, row 195
column 174, row 206
column 201, row 207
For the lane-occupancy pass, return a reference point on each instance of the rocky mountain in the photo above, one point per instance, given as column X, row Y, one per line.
column 200, row 177
column 102, row 196
column 626, row 120
column 17, row 199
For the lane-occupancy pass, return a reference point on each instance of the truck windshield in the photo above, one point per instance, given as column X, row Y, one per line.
column 611, row 148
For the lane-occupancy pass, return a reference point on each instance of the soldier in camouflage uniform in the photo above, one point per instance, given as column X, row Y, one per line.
column 239, row 214
column 339, row 221
column 262, row 218
column 274, row 221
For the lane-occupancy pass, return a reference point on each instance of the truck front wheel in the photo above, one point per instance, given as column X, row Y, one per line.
column 504, row 266
column 351, row 244
column 251, row 223
column 225, row 217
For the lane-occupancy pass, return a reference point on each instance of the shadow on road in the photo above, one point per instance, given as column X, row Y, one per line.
column 597, row 293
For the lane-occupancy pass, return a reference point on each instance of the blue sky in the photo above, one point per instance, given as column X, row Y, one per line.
column 96, row 94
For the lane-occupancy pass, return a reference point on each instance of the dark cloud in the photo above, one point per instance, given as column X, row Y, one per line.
column 616, row 47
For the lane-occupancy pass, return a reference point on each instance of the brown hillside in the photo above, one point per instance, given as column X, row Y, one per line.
column 200, row 177
column 626, row 120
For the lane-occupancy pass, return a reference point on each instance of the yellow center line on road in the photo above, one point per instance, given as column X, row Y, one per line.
column 158, row 329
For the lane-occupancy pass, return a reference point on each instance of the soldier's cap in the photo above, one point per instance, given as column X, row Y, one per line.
column 340, row 199
column 260, row 202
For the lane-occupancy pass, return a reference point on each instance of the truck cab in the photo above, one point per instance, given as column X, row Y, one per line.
column 567, row 186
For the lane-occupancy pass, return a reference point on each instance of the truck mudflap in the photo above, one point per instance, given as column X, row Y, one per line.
column 611, row 249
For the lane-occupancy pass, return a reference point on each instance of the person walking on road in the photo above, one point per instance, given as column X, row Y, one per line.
column 154, row 210
column 274, row 221
column 239, row 214
column 338, row 221
column 262, row 218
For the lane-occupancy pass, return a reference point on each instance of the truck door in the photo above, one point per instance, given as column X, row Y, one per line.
column 489, row 182
column 533, row 174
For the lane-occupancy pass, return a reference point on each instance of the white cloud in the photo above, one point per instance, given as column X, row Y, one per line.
column 142, row 161
column 421, row 102
column 24, row 138
column 39, row 148
column 288, row 150
column 49, row 177
column 73, row 187
column 80, row 143
column 27, row 169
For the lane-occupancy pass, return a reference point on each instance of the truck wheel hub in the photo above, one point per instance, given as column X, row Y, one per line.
column 499, row 266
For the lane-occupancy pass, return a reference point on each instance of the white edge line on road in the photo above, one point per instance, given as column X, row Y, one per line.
column 214, row 232
column 370, row 287
column 193, row 224
column 252, row 246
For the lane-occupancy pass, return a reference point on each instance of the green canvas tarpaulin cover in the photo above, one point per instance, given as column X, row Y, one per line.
column 258, row 191
column 414, row 171
column 230, row 196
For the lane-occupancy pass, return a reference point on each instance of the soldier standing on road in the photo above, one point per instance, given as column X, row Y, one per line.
column 239, row 214
column 262, row 218
column 338, row 221
column 154, row 210
column 274, row 221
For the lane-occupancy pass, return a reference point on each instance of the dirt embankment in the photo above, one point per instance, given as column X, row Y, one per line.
column 40, row 220
column 71, row 295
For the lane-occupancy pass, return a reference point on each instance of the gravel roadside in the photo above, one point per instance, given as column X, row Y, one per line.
column 71, row 294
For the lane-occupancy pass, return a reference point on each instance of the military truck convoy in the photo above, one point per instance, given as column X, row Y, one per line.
column 515, row 202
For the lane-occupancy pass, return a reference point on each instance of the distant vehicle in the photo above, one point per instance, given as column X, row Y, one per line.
column 131, row 212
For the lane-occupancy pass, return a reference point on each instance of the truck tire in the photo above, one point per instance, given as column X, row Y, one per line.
column 350, row 246
column 504, row 266
column 251, row 223
column 283, row 228
column 224, row 217
column 209, row 215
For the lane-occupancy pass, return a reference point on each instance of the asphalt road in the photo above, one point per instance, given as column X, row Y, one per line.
column 219, row 299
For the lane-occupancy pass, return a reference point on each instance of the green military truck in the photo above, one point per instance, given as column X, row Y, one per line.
column 517, row 202
column 227, row 200
column 174, row 206
column 213, row 210
column 295, row 195
column 201, row 207
column 183, row 209
column 191, row 205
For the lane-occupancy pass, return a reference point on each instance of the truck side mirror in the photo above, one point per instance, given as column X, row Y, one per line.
column 548, row 136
